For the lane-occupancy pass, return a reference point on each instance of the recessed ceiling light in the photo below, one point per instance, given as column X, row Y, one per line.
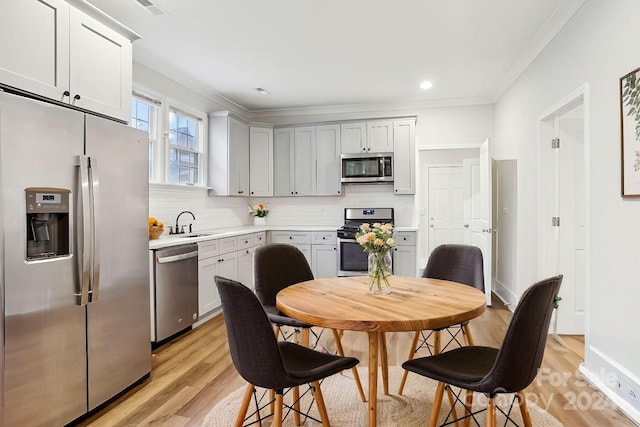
column 262, row 91
column 426, row 85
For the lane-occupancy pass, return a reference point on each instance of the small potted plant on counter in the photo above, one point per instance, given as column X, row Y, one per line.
column 259, row 213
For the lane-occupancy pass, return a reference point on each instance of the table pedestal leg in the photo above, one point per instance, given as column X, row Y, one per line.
column 373, row 377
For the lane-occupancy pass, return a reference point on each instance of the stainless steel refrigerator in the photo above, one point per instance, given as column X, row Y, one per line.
column 74, row 266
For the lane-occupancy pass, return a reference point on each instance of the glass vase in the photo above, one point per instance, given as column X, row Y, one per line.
column 379, row 267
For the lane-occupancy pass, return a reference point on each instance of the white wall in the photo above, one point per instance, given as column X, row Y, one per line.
column 598, row 46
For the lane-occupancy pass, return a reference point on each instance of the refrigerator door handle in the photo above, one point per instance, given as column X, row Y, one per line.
column 84, row 231
column 95, row 202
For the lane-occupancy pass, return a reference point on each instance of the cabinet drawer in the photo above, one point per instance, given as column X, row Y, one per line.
column 228, row 244
column 259, row 239
column 323, row 238
column 245, row 241
column 291, row 237
column 405, row 238
column 208, row 248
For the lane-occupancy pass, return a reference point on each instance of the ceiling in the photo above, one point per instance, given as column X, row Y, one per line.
column 342, row 52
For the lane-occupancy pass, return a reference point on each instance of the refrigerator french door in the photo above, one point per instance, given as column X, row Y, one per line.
column 76, row 319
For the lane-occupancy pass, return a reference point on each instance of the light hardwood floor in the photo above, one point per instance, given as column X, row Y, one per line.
column 192, row 373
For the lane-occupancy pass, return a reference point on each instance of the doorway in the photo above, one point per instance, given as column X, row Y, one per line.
column 563, row 195
column 455, row 203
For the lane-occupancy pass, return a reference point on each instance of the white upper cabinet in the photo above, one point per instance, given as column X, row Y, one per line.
column 100, row 67
column 380, row 136
column 367, row 137
column 260, row 161
column 283, row 162
column 304, row 161
column 52, row 49
column 404, row 168
column 228, row 156
column 353, row 138
column 328, row 160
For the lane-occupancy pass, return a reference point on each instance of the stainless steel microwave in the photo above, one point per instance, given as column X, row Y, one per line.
column 367, row 167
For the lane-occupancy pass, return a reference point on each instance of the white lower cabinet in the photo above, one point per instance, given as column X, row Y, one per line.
column 404, row 254
column 215, row 258
column 299, row 239
column 324, row 254
column 247, row 246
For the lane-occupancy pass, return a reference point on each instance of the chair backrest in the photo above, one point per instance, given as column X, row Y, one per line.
column 521, row 353
column 253, row 345
column 276, row 267
column 458, row 263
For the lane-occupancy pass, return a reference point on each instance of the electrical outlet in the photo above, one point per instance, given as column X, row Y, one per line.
column 633, row 397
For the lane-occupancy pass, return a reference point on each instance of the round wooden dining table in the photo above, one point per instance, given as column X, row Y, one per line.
column 345, row 303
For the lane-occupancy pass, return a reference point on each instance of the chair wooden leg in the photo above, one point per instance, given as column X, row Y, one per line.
column 437, row 342
column 412, row 350
column 384, row 362
column 491, row 412
column 337, row 338
column 276, row 330
column 526, row 418
column 277, row 416
column 452, row 402
column 295, row 392
column 466, row 333
column 242, row 412
column 468, row 403
column 437, row 403
column 304, row 337
column 322, row 409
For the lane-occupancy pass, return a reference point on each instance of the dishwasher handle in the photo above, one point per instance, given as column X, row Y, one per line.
column 174, row 258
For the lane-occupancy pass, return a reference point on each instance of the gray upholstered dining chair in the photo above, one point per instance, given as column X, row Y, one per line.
column 265, row 362
column 493, row 371
column 276, row 267
column 457, row 263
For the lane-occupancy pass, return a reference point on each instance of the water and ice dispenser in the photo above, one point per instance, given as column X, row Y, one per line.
column 47, row 216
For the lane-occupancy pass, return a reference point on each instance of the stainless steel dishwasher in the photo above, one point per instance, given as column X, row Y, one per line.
column 175, row 289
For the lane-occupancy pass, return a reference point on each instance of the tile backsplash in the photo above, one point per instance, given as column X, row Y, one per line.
column 165, row 203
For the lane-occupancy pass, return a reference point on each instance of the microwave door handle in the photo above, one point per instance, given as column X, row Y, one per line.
column 84, row 231
column 95, row 204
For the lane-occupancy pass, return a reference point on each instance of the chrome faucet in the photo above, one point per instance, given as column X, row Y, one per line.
column 177, row 229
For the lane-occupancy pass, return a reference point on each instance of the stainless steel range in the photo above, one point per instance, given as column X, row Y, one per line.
column 352, row 259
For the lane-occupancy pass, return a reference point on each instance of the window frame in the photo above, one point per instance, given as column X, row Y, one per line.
column 161, row 146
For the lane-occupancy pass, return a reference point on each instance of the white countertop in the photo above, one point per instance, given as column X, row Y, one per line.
column 167, row 240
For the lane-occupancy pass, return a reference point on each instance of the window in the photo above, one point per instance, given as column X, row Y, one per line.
column 144, row 116
column 184, row 148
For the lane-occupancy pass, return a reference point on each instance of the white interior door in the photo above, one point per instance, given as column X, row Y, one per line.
column 446, row 205
column 478, row 210
column 564, row 219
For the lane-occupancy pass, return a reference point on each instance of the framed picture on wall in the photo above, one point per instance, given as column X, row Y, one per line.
column 630, row 132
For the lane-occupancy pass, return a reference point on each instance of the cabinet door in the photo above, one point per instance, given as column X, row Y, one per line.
column 261, row 161
column 404, row 168
column 404, row 261
column 305, row 161
column 34, row 46
column 238, row 158
column 282, row 162
column 245, row 267
column 328, row 160
column 353, row 138
column 380, row 136
column 324, row 261
column 208, row 298
column 100, row 67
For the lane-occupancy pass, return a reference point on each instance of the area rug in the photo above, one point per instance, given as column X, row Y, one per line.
column 347, row 410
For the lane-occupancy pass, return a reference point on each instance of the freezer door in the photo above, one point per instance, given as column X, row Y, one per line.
column 45, row 341
column 119, row 341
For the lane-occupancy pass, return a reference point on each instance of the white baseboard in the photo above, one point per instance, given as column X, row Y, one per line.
column 505, row 294
column 616, row 382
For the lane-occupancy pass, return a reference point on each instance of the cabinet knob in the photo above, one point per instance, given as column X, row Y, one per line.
column 66, row 93
column 77, row 97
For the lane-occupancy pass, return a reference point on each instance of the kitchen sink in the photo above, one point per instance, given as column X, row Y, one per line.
column 190, row 235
